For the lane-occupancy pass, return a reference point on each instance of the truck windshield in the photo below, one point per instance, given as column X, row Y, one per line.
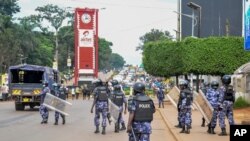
column 26, row 76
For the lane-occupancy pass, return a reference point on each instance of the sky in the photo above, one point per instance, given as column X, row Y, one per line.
column 121, row 22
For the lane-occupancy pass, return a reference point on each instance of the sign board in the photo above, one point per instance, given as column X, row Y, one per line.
column 203, row 106
column 54, row 103
column 247, row 25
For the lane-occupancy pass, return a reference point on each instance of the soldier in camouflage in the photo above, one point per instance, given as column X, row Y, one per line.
column 186, row 99
column 44, row 112
column 119, row 99
column 101, row 106
column 213, row 98
column 141, row 109
column 226, row 100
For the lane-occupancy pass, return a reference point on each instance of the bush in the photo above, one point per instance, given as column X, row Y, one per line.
column 241, row 102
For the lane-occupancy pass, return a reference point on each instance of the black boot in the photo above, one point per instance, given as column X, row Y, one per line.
column 212, row 131
column 103, row 131
column 42, row 122
column 223, row 132
column 63, row 120
column 56, row 122
column 203, row 122
column 209, row 130
column 178, row 125
column 188, row 130
column 45, row 121
column 97, row 129
column 117, row 127
column 123, row 126
column 183, row 129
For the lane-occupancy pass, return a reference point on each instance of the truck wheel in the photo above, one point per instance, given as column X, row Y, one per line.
column 19, row 106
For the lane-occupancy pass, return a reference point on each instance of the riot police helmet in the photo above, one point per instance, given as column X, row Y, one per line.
column 99, row 82
column 183, row 83
column 138, row 87
column 226, row 79
column 114, row 82
column 214, row 85
column 117, row 88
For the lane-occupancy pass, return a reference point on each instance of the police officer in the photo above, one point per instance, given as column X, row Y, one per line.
column 181, row 87
column 44, row 110
column 226, row 100
column 160, row 96
column 186, row 99
column 141, row 109
column 101, row 106
column 213, row 98
column 204, row 89
column 119, row 99
column 59, row 92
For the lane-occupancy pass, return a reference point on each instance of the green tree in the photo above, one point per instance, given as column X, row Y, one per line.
column 55, row 16
column 104, row 53
column 116, row 61
column 153, row 35
column 9, row 7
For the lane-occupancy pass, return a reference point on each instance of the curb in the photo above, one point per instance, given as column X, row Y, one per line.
column 169, row 125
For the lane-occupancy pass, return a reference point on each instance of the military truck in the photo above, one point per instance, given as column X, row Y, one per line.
column 26, row 83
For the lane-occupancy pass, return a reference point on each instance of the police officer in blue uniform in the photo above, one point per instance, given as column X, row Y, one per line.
column 59, row 92
column 186, row 99
column 44, row 112
column 119, row 99
column 226, row 100
column 101, row 106
column 204, row 89
column 160, row 96
column 141, row 109
column 213, row 98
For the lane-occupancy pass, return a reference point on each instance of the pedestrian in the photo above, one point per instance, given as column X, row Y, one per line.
column 86, row 92
column 5, row 92
column 160, row 96
column 204, row 89
column 186, row 99
column 44, row 112
column 101, row 105
column 226, row 100
column 141, row 109
column 73, row 92
column 119, row 99
column 60, row 93
column 77, row 91
column 213, row 98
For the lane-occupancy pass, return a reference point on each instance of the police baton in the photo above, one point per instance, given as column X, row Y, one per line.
column 133, row 133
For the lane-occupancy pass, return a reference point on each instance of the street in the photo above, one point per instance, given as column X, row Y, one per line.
column 25, row 125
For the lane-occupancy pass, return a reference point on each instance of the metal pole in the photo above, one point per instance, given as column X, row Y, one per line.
column 178, row 33
column 193, row 23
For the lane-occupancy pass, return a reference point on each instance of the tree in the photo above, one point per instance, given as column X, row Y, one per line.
column 55, row 16
column 116, row 61
column 153, row 35
column 104, row 53
column 9, row 7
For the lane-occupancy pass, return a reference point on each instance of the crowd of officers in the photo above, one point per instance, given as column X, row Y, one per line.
column 141, row 107
column 220, row 98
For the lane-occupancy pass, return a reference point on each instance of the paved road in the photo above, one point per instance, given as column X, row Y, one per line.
column 25, row 125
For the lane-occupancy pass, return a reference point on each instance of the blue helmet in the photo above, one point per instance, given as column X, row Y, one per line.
column 226, row 79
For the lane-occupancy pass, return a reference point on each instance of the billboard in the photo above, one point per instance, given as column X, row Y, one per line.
column 86, row 43
column 247, row 25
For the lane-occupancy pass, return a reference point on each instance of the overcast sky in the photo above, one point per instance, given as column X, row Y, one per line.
column 122, row 22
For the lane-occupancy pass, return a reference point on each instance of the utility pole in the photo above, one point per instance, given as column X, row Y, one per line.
column 178, row 33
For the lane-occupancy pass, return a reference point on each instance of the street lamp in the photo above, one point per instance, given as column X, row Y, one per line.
column 195, row 6
column 194, row 20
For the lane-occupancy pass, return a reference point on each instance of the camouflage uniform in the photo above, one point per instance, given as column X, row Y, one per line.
column 142, row 130
column 226, row 109
column 160, row 97
column 186, row 99
column 213, row 98
column 61, row 94
column 44, row 112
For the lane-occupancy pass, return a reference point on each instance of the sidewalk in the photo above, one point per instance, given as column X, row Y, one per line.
column 197, row 132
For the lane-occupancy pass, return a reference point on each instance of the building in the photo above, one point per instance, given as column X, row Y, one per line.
column 218, row 18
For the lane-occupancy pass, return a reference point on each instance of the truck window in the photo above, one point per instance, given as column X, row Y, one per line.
column 26, row 76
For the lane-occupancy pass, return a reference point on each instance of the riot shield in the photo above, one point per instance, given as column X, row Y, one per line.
column 114, row 110
column 54, row 103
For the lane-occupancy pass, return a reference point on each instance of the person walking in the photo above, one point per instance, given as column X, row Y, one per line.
column 101, row 105
column 141, row 109
column 160, row 96
column 119, row 99
column 226, row 100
